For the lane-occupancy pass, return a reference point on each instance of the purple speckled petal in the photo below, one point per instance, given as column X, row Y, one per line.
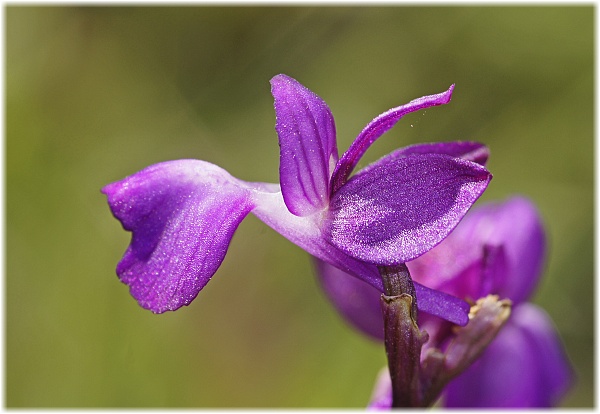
column 182, row 215
column 400, row 208
column 376, row 128
column 307, row 143
column 524, row 367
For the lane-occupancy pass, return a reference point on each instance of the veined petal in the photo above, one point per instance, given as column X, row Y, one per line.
column 306, row 232
column 400, row 208
column 307, row 143
column 528, row 345
column 377, row 128
column 182, row 215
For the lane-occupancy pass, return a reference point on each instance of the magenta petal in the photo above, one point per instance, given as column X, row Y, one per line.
column 307, row 143
column 524, row 367
column 401, row 208
column 182, row 215
column 377, row 128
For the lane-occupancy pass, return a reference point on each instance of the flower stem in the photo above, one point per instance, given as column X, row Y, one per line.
column 403, row 339
column 397, row 280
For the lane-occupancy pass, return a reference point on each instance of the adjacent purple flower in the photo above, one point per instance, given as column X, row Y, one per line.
column 183, row 213
column 497, row 249
column 524, row 367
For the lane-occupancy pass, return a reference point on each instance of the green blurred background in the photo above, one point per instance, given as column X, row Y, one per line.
column 96, row 93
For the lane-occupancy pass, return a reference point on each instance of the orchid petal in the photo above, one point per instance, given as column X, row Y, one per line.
column 307, row 143
column 182, row 215
column 376, row 128
column 401, row 208
column 527, row 344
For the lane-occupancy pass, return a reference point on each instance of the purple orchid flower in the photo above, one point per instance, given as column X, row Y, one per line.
column 497, row 249
column 183, row 214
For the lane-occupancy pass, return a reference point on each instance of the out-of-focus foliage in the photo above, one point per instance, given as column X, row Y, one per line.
column 96, row 93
